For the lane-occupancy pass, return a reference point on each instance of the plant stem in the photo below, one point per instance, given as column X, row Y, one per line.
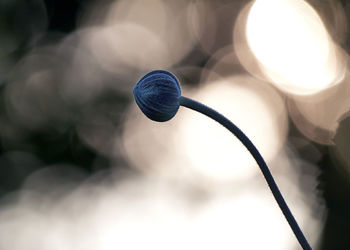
column 189, row 103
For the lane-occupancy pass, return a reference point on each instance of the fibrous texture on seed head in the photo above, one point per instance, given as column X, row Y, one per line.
column 157, row 95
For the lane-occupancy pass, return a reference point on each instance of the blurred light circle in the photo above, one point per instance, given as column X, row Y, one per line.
column 203, row 24
column 254, row 107
column 32, row 98
column 223, row 63
column 291, row 45
column 83, row 71
column 211, row 22
column 148, row 35
column 151, row 14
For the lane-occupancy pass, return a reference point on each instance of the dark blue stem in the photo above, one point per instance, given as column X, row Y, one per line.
column 189, row 103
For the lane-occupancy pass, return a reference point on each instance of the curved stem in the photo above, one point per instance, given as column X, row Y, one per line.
column 189, row 103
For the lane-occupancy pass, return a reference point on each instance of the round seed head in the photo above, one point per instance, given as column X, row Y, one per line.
column 157, row 95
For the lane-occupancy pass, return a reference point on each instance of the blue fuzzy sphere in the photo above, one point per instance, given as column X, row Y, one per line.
column 157, row 95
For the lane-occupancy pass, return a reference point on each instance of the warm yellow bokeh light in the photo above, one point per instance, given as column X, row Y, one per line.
column 254, row 107
column 291, row 43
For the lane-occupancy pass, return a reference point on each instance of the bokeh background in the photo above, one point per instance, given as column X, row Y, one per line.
column 81, row 168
